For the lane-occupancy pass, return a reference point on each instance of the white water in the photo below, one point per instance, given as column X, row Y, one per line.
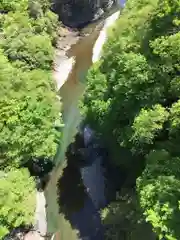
column 97, row 49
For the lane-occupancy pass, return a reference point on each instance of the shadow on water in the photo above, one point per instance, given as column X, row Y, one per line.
column 71, row 191
column 73, row 200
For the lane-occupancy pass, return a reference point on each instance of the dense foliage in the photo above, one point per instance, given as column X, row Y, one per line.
column 29, row 106
column 132, row 100
column 123, row 219
column 17, row 199
column 28, row 102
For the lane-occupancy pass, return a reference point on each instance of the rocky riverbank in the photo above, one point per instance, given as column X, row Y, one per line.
column 62, row 63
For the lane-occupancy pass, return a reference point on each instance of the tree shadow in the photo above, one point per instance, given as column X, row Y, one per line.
column 71, row 191
column 73, row 200
column 40, row 169
column 124, row 220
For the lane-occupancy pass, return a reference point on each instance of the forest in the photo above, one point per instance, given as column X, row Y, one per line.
column 132, row 100
column 28, row 102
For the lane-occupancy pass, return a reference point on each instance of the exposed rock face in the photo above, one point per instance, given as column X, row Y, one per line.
column 77, row 13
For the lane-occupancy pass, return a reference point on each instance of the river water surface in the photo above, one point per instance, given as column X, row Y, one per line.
column 70, row 93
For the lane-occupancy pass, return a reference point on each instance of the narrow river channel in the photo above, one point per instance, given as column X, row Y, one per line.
column 70, row 93
column 83, row 221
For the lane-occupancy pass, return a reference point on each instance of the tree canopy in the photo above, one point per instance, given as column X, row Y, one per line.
column 132, row 101
column 28, row 102
column 29, row 106
column 17, row 199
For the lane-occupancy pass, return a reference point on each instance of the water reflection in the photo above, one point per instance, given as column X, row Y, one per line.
column 71, row 191
column 74, row 202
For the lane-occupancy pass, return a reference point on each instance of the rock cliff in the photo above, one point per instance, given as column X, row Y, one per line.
column 77, row 13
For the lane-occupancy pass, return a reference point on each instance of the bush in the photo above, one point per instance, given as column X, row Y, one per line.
column 17, row 200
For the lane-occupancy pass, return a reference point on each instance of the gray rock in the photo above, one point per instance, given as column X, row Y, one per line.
column 78, row 13
column 98, row 14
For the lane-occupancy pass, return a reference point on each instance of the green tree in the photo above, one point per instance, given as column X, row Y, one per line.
column 17, row 200
column 38, row 7
column 28, row 95
column 29, row 109
column 132, row 101
column 24, row 46
column 13, row 5
column 47, row 24
column 148, row 123
column 28, row 102
column 159, row 193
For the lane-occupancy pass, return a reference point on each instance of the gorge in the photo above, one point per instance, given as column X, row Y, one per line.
column 90, row 129
column 77, row 14
column 70, row 92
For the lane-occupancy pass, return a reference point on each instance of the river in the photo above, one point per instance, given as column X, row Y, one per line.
column 72, row 200
column 70, row 93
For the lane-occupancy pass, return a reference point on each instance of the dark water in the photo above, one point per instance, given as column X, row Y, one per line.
column 93, row 180
column 81, row 188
